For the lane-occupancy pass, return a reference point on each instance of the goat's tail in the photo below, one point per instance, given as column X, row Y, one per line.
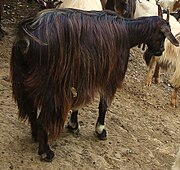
column 18, row 68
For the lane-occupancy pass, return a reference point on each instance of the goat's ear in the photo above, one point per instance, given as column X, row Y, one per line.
column 170, row 36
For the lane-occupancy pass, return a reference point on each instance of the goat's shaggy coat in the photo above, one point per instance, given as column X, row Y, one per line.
column 62, row 58
column 168, row 61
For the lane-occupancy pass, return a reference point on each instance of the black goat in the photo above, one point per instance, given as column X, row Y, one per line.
column 62, row 58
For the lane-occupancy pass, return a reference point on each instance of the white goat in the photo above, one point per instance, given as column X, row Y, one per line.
column 146, row 8
column 176, row 165
column 170, row 57
column 169, row 60
column 82, row 4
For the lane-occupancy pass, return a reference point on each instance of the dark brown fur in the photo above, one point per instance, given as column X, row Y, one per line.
column 62, row 58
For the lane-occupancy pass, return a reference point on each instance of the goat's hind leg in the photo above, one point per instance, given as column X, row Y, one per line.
column 34, row 124
column 26, row 110
column 156, row 74
column 32, row 116
column 174, row 97
column 44, row 150
column 100, row 127
column 73, row 125
column 152, row 71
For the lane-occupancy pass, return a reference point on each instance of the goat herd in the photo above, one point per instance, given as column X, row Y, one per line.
column 63, row 56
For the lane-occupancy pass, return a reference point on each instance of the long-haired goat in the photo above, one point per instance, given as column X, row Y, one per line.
column 169, row 60
column 62, row 58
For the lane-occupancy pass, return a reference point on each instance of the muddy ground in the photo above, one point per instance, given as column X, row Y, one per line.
column 143, row 129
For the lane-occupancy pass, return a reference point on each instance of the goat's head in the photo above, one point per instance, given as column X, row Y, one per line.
column 156, row 42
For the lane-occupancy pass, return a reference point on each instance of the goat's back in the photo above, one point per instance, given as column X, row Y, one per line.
column 146, row 8
column 82, row 4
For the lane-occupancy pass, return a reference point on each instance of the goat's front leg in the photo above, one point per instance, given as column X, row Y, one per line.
column 100, row 127
column 174, row 97
column 156, row 74
column 151, row 71
column 44, row 150
column 73, row 125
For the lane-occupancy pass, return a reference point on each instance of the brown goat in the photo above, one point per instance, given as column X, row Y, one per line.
column 62, row 58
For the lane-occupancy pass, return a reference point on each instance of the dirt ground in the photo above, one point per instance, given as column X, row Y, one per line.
column 143, row 129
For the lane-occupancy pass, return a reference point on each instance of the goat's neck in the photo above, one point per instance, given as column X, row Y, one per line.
column 139, row 33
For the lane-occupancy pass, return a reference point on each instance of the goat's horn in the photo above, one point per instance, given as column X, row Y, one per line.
column 160, row 11
column 168, row 14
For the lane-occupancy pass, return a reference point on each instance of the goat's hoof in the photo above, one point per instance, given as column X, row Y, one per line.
column 148, row 83
column 48, row 157
column 174, row 105
column 72, row 129
column 103, row 135
column 156, row 80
